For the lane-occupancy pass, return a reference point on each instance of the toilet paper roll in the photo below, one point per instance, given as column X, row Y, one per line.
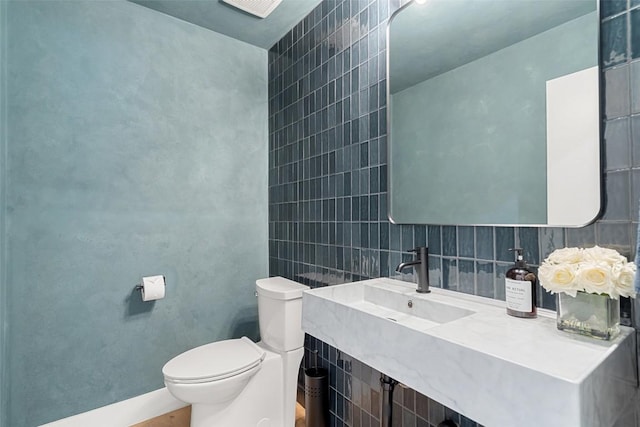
column 152, row 288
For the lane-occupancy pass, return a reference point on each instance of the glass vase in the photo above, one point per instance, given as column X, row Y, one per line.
column 593, row 315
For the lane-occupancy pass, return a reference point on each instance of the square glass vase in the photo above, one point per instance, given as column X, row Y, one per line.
column 592, row 315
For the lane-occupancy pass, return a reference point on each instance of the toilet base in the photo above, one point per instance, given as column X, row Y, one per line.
column 268, row 400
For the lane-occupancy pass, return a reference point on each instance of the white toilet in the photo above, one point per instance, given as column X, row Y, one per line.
column 238, row 383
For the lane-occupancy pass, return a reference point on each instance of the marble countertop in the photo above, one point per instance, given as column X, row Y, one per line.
column 491, row 367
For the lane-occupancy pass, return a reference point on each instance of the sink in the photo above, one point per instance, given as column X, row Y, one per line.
column 397, row 304
column 465, row 352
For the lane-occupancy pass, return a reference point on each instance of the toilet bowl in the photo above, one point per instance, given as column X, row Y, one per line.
column 238, row 382
column 214, row 373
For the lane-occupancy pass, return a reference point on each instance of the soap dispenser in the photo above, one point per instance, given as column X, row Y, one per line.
column 520, row 288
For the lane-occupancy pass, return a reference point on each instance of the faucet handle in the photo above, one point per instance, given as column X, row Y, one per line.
column 420, row 250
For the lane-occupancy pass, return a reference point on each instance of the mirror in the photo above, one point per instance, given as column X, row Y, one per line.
column 494, row 113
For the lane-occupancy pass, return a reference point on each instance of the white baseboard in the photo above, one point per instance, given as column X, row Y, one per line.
column 124, row 413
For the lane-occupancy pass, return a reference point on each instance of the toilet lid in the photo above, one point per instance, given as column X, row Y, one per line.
column 215, row 361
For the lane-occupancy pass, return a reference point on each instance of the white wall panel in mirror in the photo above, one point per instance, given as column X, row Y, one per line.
column 494, row 113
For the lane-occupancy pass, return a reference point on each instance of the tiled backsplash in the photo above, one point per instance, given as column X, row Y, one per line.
column 328, row 176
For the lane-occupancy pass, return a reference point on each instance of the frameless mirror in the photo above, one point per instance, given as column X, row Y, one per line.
column 494, row 114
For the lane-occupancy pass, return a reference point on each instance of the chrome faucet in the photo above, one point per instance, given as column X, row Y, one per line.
column 422, row 262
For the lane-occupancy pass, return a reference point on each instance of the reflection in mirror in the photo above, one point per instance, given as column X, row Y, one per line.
column 494, row 113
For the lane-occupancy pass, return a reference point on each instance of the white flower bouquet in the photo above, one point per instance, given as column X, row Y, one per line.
column 593, row 270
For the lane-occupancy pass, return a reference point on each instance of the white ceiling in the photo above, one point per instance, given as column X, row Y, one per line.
column 225, row 19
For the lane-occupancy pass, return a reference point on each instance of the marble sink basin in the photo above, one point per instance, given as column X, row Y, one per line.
column 465, row 352
column 396, row 303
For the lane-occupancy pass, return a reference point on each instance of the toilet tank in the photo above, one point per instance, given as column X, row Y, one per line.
column 280, row 313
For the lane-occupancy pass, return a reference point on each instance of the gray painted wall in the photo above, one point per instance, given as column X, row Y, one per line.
column 3, row 129
column 137, row 146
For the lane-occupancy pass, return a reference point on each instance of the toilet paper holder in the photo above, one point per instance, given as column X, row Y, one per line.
column 152, row 288
column 139, row 286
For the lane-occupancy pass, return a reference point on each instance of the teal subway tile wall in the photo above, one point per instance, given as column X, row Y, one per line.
column 136, row 147
column 328, row 172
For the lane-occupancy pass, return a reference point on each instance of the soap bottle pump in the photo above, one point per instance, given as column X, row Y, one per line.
column 520, row 288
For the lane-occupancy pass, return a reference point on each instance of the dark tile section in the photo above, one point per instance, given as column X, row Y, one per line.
column 466, row 242
column 635, row 87
column 617, row 102
column 466, row 276
column 505, row 241
column 614, row 41
column 528, row 241
column 484, row 278
column 450, row 274
column 635, row 198
column 545, row 299
column 617, row 195
column 584, row 236
column 484, row 243
column 549, row 239
column 449, row 238
column 617, row 136
column 411, row 408
column 635, row 33
column 434, row 237
column 612, row 7
column 328, row 178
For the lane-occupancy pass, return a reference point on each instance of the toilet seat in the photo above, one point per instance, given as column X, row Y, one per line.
column 214, row 362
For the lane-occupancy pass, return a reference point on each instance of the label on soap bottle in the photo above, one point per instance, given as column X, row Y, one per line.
column 518, row 295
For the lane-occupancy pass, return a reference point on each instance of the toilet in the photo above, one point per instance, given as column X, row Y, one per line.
column 239, row 383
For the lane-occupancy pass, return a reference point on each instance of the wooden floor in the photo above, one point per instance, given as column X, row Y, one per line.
column 178, row 418
column 299, row 416
column 182, row 418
